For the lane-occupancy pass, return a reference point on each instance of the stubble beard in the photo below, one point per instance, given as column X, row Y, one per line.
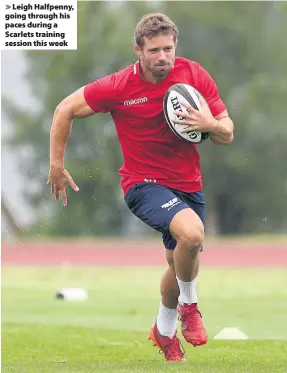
column 160, row 73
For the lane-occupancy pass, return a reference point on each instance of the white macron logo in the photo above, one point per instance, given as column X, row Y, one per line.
column 150, row 180
column 168, row 205
column 136, row 101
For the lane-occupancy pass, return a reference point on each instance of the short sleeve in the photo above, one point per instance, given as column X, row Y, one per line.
column 208, row 88
column 100, row 95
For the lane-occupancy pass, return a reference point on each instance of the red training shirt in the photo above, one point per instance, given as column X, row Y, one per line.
column 151, row 151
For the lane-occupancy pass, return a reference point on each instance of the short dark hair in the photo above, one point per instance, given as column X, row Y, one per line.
column 152, row 25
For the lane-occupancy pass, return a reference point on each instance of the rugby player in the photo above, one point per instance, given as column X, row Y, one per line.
column 160, row 175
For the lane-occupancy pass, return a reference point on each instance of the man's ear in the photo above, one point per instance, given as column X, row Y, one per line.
column 138, row 50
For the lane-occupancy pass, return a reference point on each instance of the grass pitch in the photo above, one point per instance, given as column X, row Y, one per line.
column 108, row 332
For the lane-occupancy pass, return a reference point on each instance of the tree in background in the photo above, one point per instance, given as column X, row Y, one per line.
column 93, row 156
column 238, row 43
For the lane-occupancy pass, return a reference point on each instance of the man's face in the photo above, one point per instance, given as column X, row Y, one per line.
column 157, row 54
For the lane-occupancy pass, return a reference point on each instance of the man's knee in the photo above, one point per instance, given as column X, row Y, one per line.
column 191, row 239
column 188, row 230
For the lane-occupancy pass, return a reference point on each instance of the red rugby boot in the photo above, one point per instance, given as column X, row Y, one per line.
column 192, row 326
column 170, row 347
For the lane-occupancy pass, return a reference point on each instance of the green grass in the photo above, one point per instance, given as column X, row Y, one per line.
column 108, row 332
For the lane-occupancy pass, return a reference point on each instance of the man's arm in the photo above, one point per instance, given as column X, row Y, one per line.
column 222, row 132
column 96, row 97
column 73, row 106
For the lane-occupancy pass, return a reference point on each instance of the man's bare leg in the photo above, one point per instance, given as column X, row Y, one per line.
column 167, row 314
column 187, row 228
column 169, row 286
column 169, row 289
column 163, row 332
column 188, row 231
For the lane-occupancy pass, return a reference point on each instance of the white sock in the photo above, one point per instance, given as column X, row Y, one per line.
column 166, row 321
column 187, row 291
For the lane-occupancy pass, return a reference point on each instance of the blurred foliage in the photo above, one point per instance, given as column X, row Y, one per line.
column 242, row 45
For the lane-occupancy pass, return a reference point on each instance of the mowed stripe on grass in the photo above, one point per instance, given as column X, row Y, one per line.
column 108, row 332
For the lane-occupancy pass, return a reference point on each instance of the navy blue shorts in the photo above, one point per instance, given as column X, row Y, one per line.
column 156, row 205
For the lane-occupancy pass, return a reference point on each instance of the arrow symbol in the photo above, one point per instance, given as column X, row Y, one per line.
column 8, row 7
